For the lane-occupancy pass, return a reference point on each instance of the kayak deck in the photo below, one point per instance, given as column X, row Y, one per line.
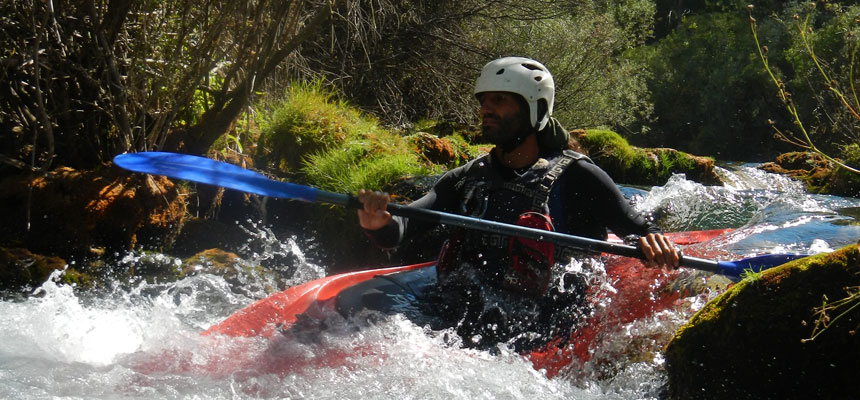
column 632, row 299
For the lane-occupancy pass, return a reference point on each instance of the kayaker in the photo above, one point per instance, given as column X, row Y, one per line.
column 494, row 288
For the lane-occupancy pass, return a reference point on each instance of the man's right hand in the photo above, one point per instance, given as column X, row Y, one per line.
column 373, row 215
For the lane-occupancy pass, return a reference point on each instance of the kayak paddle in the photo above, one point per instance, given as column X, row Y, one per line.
column 208, row 171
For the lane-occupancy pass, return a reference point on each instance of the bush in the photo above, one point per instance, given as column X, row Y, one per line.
column 316, row 139
column 709, row 92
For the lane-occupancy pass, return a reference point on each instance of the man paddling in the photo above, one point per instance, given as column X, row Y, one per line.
column 496, row 288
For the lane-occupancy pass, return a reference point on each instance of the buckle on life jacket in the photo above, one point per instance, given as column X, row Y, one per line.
column 530, row 260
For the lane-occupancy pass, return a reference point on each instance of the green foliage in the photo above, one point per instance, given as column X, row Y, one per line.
column 851, row 154
column 708, row 94
column 817, row 55
column 309, row 119
column 821, row 54
column 324, row 142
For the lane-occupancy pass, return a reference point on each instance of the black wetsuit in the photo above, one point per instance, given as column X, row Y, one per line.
column 588, row 204
column 584, row 201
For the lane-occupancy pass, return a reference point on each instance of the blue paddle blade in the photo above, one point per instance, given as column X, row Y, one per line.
column 211, row 172
column 754, row 264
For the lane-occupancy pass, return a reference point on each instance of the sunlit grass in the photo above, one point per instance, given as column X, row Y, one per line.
column 322, row 141
column 357, row 167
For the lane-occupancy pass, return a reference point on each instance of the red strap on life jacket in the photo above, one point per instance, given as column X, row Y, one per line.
column 446, row 262
column 531, row 260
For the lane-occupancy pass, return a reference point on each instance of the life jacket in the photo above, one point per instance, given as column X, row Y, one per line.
column 513, row 263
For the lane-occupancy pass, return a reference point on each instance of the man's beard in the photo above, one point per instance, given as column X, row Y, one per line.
column 507, row 134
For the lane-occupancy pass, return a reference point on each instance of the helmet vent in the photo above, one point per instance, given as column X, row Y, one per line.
column 532, row 67
column 538, row 79
column 501, row 71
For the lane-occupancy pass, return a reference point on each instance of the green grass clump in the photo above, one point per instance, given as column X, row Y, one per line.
column 316, row 139
column 358, row 167
column 308, row 119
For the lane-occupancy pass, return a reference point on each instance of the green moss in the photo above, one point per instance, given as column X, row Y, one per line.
column 315, row 139
column 751, row 341
column 605, row 144
column 637, row 166
column 77, row 278
column 20, row 268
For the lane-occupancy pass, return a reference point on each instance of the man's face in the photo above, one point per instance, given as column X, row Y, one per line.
column 501, row 117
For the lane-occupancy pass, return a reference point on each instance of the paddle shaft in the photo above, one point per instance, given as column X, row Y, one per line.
column 581, row 243
column 208, row 171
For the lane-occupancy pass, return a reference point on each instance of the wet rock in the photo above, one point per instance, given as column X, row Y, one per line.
column 641, row 166
column 242, row 277
column 78, row 214
column 153, row 267
column 215, row 261
column 20, row 269
column 753, row 341
column 818, row 174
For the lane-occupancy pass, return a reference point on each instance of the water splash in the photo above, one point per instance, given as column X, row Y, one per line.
column 265, row 249
column 55, row 325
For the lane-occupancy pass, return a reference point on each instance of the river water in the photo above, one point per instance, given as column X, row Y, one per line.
column 140, row 340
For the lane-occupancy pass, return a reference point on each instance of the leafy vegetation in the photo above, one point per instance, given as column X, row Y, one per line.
column 835, row 93
column 184, row 75
column 709, row 97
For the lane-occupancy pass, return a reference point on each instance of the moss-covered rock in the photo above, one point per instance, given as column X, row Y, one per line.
column 818, row 174
column 242, row 277
column 20, row 269
column 752, row 342
column 631, row 165
column 76, row 214
column 215, row 261
column 439, row 150
column 200, row 234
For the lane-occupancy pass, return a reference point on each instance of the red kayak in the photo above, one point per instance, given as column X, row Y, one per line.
column 634, row 298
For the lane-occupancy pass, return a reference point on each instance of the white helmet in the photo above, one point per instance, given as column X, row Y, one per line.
column 525, row 77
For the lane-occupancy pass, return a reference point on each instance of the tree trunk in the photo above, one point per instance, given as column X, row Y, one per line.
column 217, row 120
